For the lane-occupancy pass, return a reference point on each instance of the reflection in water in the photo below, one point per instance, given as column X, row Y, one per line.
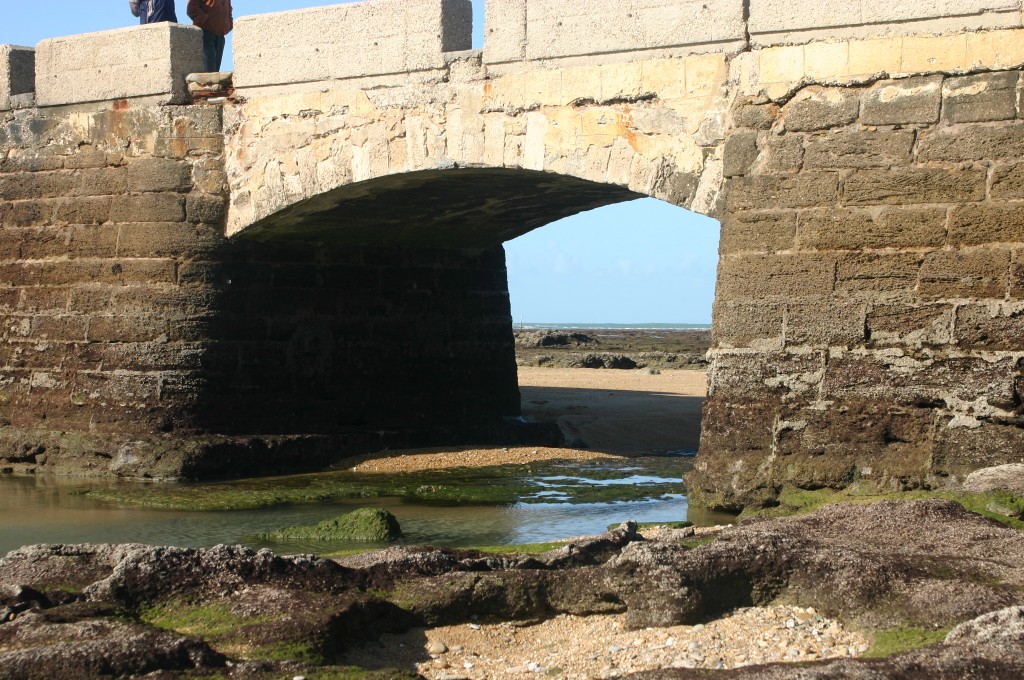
column 48, row 510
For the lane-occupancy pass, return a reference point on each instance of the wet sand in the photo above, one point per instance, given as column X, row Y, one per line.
column 620, row 412
column 603, row 413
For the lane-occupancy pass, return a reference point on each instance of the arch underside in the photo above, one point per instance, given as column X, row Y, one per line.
column 471, row 208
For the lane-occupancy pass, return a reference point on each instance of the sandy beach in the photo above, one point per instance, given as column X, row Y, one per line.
column 603, row 413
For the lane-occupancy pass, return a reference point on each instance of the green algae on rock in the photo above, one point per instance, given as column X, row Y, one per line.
column 364, row 524
column 557, row 481
column 1002, row 506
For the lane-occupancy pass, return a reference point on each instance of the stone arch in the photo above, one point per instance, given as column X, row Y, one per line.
column 287, row 155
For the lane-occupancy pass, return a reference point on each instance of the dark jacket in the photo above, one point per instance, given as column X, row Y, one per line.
column 154, row 11
column 214, row 18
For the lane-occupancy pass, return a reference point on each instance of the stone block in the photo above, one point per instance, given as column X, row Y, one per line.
column 825, row 325
column 765, row 376
column 965, row 274
column 742, row 324
column 960, row 450
column 859, row 149
column 45, row 300
column 17, row 73
column 740, row 153
column 81, row 210
column 979, row 98
column 973, row 142
column 782, row 154
column 878, row 275
column 34, row 160
column 148, row 208
column 83, row 271
column 914, row 185
column 174, row 239
column 780, row 17
column 125, row 328
column 719, row 432
column 778, row 275
column 94, row 67
column 798, row 191
column 586, row 27
column 901, row 102
column 504, row 31
column 908, row 325
column 207, row 208
column 21, row 186
column 857, row 229
column 986, row 223
column 910, row 381
column 858, row 437
column 757, row 231
column 63, row 328
column 159, row 174
column 86, row 158
column 994, row 327
column 756, row 116
column 1008, row 181
column 372, row 38
column 101, row 182
column 821, row 108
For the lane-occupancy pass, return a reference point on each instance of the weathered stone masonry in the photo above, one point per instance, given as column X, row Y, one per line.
column 870, row 314
column 138, row 340
column 865, row 163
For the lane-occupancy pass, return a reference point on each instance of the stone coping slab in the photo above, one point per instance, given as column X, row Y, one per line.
column 17, row 73
column 356, row 40
column 139, row 61
column 551, row 29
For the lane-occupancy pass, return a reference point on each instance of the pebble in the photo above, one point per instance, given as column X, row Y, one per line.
column 436, row 647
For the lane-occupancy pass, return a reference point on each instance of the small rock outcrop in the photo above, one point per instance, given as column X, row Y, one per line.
column 1008, row 477
column 364, row 524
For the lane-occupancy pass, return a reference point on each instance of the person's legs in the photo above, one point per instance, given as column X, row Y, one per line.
column 220, row 52
column 213, row 51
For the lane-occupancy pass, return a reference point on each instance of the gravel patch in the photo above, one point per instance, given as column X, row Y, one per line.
column 574, row 647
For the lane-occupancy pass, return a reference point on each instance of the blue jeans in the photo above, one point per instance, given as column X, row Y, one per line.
column 213, row 50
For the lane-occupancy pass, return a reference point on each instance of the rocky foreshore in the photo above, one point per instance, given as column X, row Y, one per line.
column 891, row 568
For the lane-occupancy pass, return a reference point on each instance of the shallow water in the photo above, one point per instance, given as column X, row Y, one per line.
column 50, row 510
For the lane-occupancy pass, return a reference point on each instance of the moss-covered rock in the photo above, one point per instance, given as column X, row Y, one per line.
column 365, row 524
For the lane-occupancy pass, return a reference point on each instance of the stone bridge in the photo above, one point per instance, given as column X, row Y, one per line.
column 313, row 266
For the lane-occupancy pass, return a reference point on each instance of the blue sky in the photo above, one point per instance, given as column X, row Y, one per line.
column 640, row 262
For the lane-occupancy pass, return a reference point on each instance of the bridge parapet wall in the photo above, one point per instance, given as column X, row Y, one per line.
column 126, row 63
column 799, row 21
column 518, row 30
column 358, row 40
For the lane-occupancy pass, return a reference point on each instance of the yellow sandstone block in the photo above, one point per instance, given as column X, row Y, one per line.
column 620, row 81
column 666, row 77
column 934, row 53
column 827, row 60
column 996, row 49
column 705, row 73
column 870, row 57
column 783, row 65
column 580, row 84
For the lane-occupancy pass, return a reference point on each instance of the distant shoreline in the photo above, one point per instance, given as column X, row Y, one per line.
column 523, row 325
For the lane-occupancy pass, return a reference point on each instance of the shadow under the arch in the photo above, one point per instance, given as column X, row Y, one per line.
column 375, row 316
column 621, row 422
